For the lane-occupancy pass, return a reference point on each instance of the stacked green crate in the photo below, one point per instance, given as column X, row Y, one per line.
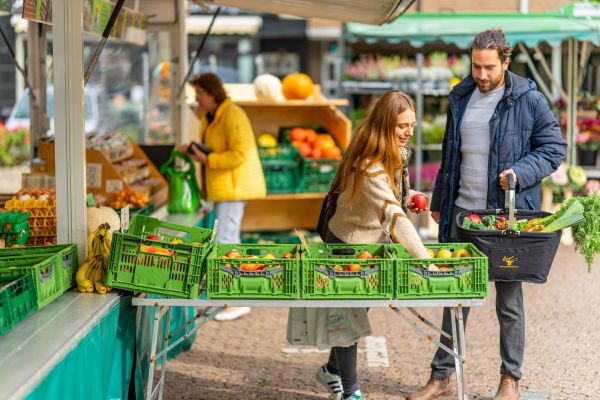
column 253, row 271
column 316, row 175
column 344, row 271
column 68, row 252
column 460, row 271
column 47, row 270
column 281, row 167
column 158, row 257
column 18, row 300
column 14, row 227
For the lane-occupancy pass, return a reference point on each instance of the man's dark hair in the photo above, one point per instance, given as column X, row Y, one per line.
column 211, row 85
column 493, row 39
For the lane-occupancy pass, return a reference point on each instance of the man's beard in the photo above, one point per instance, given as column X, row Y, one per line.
column 493, row 84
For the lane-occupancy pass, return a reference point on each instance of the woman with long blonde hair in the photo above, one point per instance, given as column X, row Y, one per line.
column 373, row 196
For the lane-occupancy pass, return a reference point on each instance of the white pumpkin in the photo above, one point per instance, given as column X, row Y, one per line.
column 267, row 87
column 100, row 215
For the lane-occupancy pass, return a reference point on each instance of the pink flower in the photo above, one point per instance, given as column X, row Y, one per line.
column 582, row 138
column 592, row 186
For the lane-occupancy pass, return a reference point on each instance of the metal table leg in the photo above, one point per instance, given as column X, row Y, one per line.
column 457, row 361
column 462, row 349
column 163, row 364
column 155, row 327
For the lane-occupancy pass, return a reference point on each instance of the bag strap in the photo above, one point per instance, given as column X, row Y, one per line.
column 170, row 166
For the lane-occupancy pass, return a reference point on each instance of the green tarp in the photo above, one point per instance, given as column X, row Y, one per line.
column 419, row 29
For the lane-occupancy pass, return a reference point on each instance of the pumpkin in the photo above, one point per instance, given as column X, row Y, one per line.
column 297, row 86
column 100, row 215
column 267, row 87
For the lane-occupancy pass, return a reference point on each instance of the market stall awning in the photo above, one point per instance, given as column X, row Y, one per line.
column 224, row 24
column 372, row 11
column 418, row 29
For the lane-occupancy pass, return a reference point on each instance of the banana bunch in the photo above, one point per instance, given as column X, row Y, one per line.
column 92, row 273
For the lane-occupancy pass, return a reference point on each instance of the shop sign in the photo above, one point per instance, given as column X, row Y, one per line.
column 130, row 25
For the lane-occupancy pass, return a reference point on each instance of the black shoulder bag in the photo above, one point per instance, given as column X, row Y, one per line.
column 327, row 210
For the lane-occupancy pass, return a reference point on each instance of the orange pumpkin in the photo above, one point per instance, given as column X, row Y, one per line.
column 297, row 86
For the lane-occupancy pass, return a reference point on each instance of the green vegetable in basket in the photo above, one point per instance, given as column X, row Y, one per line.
column 587, row 233
column 571, row 215
column 486, row 224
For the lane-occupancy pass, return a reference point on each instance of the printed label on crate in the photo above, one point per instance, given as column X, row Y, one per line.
column 125, row 218
column 114, row 185
column 325, row 169
column 93, row 175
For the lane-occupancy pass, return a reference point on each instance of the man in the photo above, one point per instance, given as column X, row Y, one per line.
column 498, row 124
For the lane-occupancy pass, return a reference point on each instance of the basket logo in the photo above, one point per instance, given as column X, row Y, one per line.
column 509, row 262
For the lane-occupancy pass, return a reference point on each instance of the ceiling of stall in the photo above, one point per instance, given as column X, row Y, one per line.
column 370, row 12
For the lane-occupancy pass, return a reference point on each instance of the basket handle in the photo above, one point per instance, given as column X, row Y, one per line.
column 509, row 201
column 343, row 252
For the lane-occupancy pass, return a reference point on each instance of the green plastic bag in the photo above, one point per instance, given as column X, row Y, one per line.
column 184, row 193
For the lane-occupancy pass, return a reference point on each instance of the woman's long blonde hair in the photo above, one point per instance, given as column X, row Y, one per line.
column 375, row 141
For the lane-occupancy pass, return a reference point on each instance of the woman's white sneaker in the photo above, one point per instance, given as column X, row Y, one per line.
column 331, row 382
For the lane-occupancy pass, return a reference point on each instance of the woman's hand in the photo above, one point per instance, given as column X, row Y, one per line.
column 417, row 202
column 196, row 155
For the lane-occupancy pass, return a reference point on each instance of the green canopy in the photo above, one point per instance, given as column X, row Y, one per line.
column 419, row 29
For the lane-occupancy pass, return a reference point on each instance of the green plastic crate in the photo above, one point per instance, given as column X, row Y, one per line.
column 280, row 278
column 280, row 152
column 324, row 274
column 324, row 168
column 281, row 176
column 46, row 270
column 316, row 184
column 17, row 301
column 158, row 266
column 68, row 252
column 14, row 227
column 468, row 277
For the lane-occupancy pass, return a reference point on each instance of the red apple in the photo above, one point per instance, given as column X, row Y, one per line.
column 153, row 237
column 474, row 218
column 419, row 202
column 233, row 253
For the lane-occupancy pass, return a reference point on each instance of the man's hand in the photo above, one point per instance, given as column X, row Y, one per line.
column 504, row 179
column 436, row 216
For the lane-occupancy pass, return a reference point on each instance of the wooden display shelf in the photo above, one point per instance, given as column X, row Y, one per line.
column 269, row 116
column 295, row 210
column 101, row 176
column 283, row 211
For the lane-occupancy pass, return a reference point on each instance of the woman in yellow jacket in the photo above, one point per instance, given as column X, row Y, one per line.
column 232, row 167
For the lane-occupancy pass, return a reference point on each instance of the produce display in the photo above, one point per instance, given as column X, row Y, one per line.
column 313, row 145
column 118, row 172
column 580, row 213
column 92, row 273
column 297, row 86
column 130, row 197
column 40, row 206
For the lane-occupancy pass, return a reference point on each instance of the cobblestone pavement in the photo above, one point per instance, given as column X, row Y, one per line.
column 244, row 359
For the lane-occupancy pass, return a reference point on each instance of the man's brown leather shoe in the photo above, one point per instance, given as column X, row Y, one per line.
column 508, row 388
column 434, row 388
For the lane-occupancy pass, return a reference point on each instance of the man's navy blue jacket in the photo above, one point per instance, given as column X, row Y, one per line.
column 525, row 136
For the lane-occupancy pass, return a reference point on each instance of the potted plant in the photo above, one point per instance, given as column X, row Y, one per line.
column 587, row 148
column 588, row 141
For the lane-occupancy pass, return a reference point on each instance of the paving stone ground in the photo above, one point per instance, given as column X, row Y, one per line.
column 243, row 359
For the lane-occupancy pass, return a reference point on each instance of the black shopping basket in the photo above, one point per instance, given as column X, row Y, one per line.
column 513, row 256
